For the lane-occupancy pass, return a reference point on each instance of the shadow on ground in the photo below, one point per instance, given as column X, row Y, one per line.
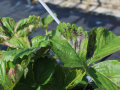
column 87, row 20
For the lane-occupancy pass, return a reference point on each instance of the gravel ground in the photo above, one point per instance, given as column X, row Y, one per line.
column 88, row 20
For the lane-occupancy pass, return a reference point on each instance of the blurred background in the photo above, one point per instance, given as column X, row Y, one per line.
column 85, row 13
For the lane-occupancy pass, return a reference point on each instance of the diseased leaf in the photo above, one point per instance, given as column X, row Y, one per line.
column 21, row 42
column 29, row 23
column 14, row 54
column 26, row 31
column 4, row 79
column 12, row 78
column 7, row 26
column 24, row 67
column 27, row 82
column 70, row 44
column 102, row 43
column 13, row 74
column 3, row 37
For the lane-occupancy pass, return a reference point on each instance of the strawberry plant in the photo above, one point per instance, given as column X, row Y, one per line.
column 33, row 64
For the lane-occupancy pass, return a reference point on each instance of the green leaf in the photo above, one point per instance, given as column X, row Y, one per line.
column 1, row 87
column 13, row 73
column 3, row 37
column 7, row 26
column 4, row 79
column 111, row 70
column 65, row 79
column 40, row 41
column 9, row 73
column 43, row 70
column 2, row 52
column 42, row 52
column 66, row 53
column 102, row 43
column 70, row 44
column 2, row 70
column 11, row 65
column 24, row 86
column 106, row 75
column 30, row 23
column 39, row 88
column 73, row 78
column 45, row 21
column 15, row 54
column 7, row 83
column 21, row 42
column 27, row 82
column 26, row 31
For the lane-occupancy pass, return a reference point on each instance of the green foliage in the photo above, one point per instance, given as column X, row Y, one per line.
column 20, row 42
column 43, row 70
column 64, row 78
column 70, row 44
column 102, row 43
column 7, row 26
column 110, row 70
column 40, row 41
column 32, row 64
column 46, row 21
column 75, row 47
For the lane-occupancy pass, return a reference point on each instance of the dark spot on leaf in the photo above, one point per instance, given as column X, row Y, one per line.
column 69, row 28
column 82, row 37
column 11, row 20
column 65, row 30
column 24, row 25
column 75, row 32
column 76, row 45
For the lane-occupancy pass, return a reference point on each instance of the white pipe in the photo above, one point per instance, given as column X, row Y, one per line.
column 29, row 2
column 49, row 11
